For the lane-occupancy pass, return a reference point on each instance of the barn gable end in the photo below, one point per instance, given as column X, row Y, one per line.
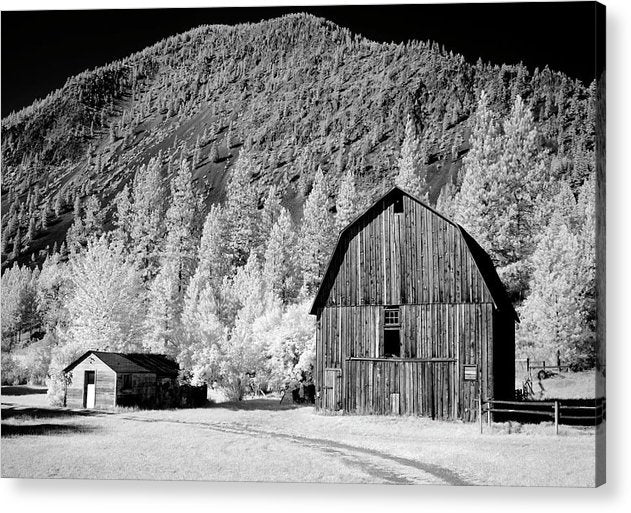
column 416, row 256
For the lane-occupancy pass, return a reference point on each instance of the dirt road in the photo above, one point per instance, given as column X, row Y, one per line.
column 260, row 440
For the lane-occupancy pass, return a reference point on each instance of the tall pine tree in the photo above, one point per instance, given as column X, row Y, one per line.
column 347, row 201
column 177, row 260
column 242, row 213
column 409, row 163
column 279, row 274
column 180, row 247
column 503, row 176
column 316, row 235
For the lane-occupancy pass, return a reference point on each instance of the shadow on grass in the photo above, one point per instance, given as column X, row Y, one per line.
column 14, row 430
column 23, row 412
column 257, row 404
column 22, row 390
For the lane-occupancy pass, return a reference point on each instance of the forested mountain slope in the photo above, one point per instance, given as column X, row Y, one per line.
column 292, row 92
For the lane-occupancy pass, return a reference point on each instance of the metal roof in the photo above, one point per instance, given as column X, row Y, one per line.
column 132, row 363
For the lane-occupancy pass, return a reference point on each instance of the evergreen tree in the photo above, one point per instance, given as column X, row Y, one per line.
column 213, row 155
column 44, row 215
column 76, row 211
column 475, row 204
column 6, row 233
column 408, row 177
column 18, row 300
column 17, row 244
column 502, row 182
column 269, row 216
column 181, row 245
column 53, row 288
column 93, row 217
column 279, row 273
column 87, row 224
column 163, row 314
column 32, row 230
column 316, row 236
column 123, row 216
column 148, row 208
column 242, row 214
column 445, row 202
column 347, row 200
column 212, row 259
column 196, row 153
column 166, row 294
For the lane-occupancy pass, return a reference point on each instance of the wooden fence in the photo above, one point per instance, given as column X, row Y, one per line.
column 527, row 365
column 559, row 411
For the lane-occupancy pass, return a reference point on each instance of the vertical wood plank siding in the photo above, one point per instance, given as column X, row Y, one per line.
column 416, row 257
column 105, row 385
column 419, row 261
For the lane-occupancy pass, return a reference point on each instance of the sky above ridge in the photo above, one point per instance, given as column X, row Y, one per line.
column 41, row 49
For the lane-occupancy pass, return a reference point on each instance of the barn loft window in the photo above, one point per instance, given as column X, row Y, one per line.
column 391, row 332
column 391, row 319
column 398, row 205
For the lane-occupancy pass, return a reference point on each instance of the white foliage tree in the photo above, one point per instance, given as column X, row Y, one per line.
column 106, row 307
column 559, row 313
column 18, row 303
column 243, row 352
column 291, row 346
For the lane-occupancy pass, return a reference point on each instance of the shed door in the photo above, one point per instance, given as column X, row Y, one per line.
column 332, row 389
column 90, row 389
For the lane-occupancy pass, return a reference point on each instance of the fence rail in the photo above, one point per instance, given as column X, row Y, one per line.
column 558, row 410
column 529, row 365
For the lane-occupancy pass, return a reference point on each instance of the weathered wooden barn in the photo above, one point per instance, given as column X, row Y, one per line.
column 100, row 379
column 411, row 317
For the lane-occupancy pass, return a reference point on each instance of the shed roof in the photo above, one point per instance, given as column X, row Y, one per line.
column 481, row 258
column 132, row 363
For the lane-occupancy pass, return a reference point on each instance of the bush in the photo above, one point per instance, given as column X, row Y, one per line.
column 12, row 372
column 34, row 360
column 57, row 383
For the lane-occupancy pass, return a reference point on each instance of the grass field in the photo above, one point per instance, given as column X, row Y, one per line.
column 258, row 440
column 562, row 385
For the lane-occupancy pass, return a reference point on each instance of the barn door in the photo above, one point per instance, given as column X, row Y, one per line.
column 89, row 397
column 332, row 389
column 439, row 390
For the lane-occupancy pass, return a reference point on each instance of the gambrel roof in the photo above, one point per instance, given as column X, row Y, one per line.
column 481, row 258
column 132, row 363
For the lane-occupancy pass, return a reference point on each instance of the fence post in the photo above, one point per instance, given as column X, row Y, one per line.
column 488, row 412
column 558, row 360
column 556, row 417
column 480, row 412
column 528, row 365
